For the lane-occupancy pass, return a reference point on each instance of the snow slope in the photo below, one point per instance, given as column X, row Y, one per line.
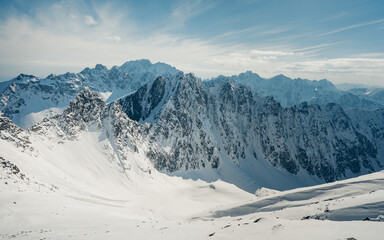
column 88, row 196
column 77, row 180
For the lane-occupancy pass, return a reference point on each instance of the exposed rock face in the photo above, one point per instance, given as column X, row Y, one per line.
column 178, row 110
column 9, row 168
column 140, row 104
column 194, row 124
column 12, row 133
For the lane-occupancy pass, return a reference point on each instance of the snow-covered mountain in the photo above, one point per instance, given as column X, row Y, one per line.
column 178, row 126
column 208, row 130
column 27, row 100
column 230, row 126
column 289, row 92
column 178, row 151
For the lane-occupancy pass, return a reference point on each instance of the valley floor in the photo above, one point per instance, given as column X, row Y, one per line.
column 186, row 209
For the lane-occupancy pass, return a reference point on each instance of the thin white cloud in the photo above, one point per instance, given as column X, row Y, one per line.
column 339, row 15
column 185, row 11
column 89, row 20
column 339, row 70
column 237, row 32
column 319, row 46
column 273, row 31
column 352, row 27
column 58, row 43
column 341, row 65
column 258, row 30
column 370, row 55
column 114, row 38
column 272, row 53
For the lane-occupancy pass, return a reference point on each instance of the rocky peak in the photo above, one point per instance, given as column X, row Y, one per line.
column 249, row 75
column 144, row 65
column 101, row 67
column 137, row 64
column 12, row 133
column 280, row 78
column 23, row 76
column 87, row 106
column 190, row 87
column 148, row 102
column 6, row 124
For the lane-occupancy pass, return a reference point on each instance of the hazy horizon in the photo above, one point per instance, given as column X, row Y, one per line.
column 336, row 84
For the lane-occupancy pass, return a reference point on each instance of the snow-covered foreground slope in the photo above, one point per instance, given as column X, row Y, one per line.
column 77, row 190
column 81, row 186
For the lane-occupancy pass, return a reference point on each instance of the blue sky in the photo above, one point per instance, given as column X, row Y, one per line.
column 341, row 40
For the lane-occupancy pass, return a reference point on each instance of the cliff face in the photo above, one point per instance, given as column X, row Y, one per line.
column 192, row 127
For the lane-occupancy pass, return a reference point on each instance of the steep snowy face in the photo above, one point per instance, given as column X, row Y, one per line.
column 140, row 104
column 289, row 92
column 181, row 137
column 177, row 108
column 194, row 128
column 322, row 141
column 371, row 124
column 27, row 100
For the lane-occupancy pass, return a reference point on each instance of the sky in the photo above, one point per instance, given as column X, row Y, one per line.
column 339, row 40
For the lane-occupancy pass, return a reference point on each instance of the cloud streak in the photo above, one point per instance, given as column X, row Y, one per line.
column 89, row 20
column 185, row 11
column 352, row 27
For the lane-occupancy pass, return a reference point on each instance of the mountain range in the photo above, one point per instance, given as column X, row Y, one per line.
column 289, row 92
column 27, row 99
column 225, row 128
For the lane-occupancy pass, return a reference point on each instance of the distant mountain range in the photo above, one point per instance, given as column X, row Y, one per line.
column 27, row 100
column 289, row 92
